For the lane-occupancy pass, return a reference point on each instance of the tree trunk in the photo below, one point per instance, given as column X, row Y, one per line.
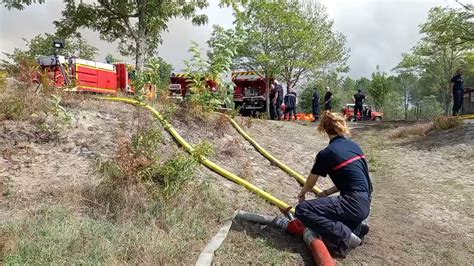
column 406, row 105
column 140, row 38
column 139, row 56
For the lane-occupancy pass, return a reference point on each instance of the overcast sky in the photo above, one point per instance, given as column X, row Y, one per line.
column 377, row 31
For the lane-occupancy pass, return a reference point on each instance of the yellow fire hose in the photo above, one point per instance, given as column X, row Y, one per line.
column 469, row 116
column 209, row 164
column 299, row 177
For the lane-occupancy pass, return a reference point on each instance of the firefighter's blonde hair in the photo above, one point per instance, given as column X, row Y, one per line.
column 333, row 124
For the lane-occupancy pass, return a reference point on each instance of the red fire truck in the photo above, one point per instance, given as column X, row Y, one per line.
column 249, row 92
column 180, row 85
column 89, row 76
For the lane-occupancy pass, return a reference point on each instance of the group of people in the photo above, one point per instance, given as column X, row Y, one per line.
column 340, row 220
column 277, row 99
column 328, row 99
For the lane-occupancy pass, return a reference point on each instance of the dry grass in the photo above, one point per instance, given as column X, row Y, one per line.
column 145, row 210
column 438, row 123
column 19, row 103
column 415, row 130
column 445, row 122
column 159, row 234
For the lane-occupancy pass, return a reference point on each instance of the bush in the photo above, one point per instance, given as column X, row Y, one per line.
column 416, row 130
column 138, row 170
column 443, row 122
column 19, row 103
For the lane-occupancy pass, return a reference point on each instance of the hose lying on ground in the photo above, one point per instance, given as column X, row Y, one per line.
column 299, row 177
column 209, row 164
column 318, row 249
column 468, row 116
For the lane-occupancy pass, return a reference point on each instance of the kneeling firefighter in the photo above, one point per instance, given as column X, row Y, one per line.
column 338, row 220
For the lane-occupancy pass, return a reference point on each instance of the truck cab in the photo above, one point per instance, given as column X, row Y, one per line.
column 369, row 113
column 179, row 87
column 249, row 92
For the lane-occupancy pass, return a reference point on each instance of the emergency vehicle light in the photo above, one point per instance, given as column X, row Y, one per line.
column 59, row 44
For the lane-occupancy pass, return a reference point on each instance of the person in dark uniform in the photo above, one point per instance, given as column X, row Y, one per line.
column 290, row 104
column 337, row 220
column 279, row 99
column 358, row 99
column 272, row 102
column 457, row 88
column 315, row 105
column 328, row 97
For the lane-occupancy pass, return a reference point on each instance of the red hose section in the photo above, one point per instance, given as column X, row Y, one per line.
column 320, row 253
column 296, row 227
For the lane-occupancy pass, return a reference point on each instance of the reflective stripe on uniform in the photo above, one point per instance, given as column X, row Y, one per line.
column 339, row 166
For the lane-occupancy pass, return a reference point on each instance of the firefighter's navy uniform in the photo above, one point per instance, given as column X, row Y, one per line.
column 335, row 218
column 458, row 93
column 315, row 105
column 290, row 105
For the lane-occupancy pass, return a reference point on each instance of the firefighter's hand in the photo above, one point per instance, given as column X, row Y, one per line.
column 301, row 196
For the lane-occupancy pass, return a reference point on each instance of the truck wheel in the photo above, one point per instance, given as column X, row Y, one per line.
column 378, row 118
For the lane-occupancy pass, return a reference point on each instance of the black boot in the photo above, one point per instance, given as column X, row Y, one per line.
column 361, row 230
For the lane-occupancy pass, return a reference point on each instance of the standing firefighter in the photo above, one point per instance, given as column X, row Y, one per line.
column 338, row 219
column 278, row 100
column 457, row 88
column 315, row 105
column 358, row 99
column 272, row 102
column 290, row 105
column 328, row 97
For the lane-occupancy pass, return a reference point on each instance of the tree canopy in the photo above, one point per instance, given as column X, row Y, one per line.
column 446, row 42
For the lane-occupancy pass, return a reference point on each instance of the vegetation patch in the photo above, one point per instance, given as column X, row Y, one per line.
column 445, row 122
column 146, row 209
column 415, row 130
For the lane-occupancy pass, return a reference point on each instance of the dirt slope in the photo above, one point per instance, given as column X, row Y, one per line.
column 423, row 185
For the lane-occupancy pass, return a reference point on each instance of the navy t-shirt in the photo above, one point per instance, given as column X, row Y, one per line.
column 279, row 89
column 328, row 96
column 345, row 163
column 359, row 98
column 316, row 98
column 458, row 81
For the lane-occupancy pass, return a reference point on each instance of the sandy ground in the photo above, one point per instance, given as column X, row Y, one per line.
column 422, row 206
column 35, row 172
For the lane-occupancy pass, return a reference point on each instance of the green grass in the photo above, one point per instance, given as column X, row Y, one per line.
column 164, row 232
column 147, row 209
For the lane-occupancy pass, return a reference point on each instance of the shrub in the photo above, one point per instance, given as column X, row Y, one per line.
column 444, row 122
column 147, row 142
column 415, row 130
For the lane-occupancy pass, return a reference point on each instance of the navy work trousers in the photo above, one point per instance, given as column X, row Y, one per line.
column 357, row 111
column 278, row 108
column 290, row 112
column 316, row 111
column 458, row 97
column 334, row 218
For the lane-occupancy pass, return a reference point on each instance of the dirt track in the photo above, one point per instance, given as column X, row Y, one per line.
column 422, row 206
